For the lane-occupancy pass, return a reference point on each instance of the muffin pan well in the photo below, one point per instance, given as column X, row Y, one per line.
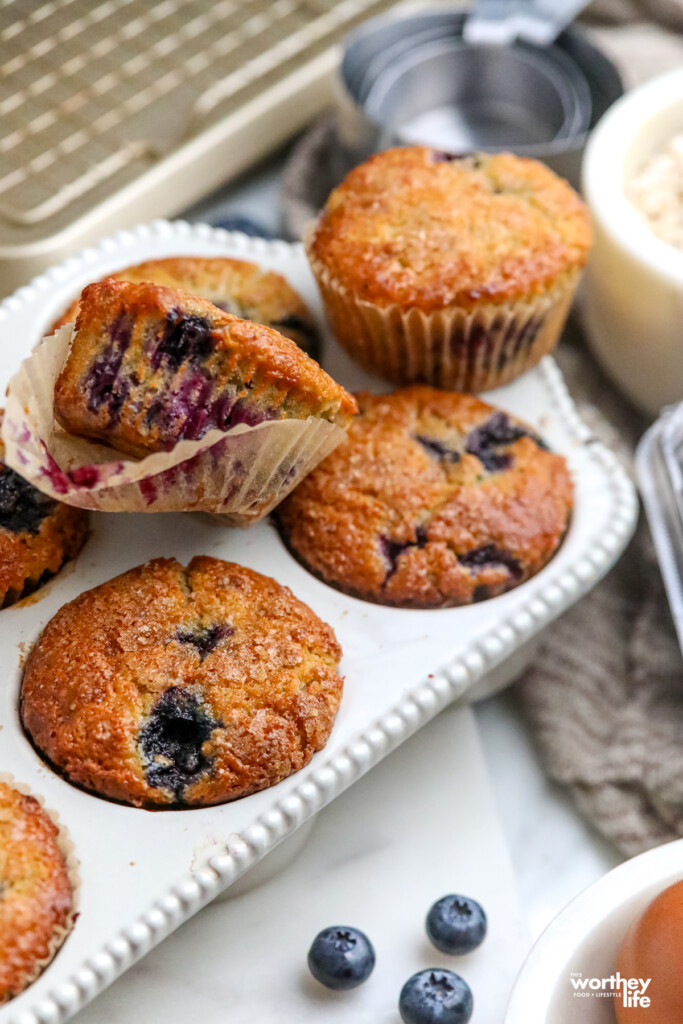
column 144, row 873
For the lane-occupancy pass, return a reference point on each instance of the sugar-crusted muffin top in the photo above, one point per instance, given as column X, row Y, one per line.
column 236, row 286
column 36, row 896
column 176, row 686
column 434, row 499
column 418, row 228
column 149, row 365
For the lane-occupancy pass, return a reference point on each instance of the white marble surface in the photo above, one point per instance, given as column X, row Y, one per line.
column 555, row 853
column 421, row 824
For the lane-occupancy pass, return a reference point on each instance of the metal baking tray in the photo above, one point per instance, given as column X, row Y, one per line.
column 143, row 873
column 124, row 110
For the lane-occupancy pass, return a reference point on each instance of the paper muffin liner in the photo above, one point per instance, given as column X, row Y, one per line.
column 241, row 473
column 454, row 348
column 68, row 851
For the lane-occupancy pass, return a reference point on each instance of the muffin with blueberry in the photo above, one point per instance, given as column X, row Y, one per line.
column 150, row 366
column 176, row 686
column 37, row 535
column 455, row 271
column 35, row 891
column 239, row 287
column 435, row 499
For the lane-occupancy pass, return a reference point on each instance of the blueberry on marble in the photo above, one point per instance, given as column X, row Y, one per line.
column 183, row 339
column 490, row 555
column 341, row 958
column 438, row 449
column 205, row 640
column 435, row 996
column 22, row 506
column 172, row 739
column 456, row 925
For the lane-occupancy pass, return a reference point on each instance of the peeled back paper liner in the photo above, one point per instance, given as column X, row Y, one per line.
column 67, row 850
column 241, row 473
column 453, row 348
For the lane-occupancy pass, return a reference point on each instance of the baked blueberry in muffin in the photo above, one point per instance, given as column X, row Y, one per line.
column 236, row 286
column 37, row 535
column 435, row 499
column 149, row 366
column 35, row 891
column 171, row 686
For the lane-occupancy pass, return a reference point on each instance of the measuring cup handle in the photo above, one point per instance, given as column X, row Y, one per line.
column 500, row 22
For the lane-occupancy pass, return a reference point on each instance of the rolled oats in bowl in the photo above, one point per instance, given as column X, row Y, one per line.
column 657, row 192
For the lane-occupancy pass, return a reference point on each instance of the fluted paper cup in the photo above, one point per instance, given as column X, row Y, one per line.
column 453, row 348
column 240, row 474
column 67, row 850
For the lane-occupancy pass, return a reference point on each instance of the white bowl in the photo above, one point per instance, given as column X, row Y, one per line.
column 633, row 293
column 584, row 939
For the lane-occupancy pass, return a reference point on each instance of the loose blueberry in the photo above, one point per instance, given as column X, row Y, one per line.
column 456, row 925
column 435, row 997
column 22, row 507
column 341, row 958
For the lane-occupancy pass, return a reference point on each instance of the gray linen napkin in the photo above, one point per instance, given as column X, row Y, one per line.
column 604, row 699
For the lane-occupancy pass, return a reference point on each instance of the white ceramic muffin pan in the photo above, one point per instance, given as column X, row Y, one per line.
column 144, row 872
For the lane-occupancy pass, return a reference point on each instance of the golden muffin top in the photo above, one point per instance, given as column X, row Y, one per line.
column 416, row 227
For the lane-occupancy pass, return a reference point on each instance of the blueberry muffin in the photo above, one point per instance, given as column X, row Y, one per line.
column 434, row 499
column 235, row 286
column 149, row 366
column 175, row 687
column 37, row 535
column 456, row 271
column 35, row 891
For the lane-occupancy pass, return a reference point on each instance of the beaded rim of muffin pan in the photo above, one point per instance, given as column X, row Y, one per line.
column 130, row 897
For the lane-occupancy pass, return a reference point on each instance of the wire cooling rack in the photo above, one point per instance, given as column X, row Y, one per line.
column 115, row 111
